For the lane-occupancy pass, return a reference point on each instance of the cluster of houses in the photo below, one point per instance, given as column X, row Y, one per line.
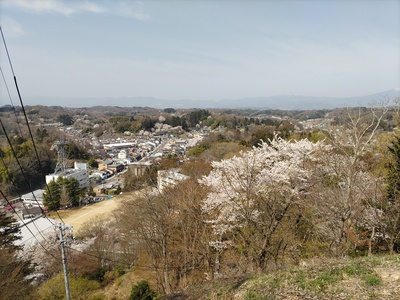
column 127, row 152
column 137, row 155
column 117, row 155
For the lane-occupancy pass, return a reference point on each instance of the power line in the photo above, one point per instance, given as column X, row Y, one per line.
column 34, row 224
column 121, row 262
column 40, row 164
column 19, row 195
column 37, row 157
column 96, row 256
column 12, row 207
column 20, row 166
column 9, row 176
column 27, row 123
column 5, row 45
column 9, row 96
column 23, row 173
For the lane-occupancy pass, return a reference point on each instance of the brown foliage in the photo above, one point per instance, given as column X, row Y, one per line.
column 13, row 272
column 170, row 235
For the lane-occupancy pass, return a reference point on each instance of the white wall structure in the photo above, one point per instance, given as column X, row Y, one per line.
column 35, row 198
column 80, row 166
column 80, row 173
column 118, row 146
column 122, row 154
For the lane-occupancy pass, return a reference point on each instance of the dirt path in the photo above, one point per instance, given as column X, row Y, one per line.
column 77, row 217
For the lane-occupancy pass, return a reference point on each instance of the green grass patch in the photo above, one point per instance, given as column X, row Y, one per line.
column 325, row 280
column 344, row 278
column 275, row 283
column 372, row 279
column 253, row 295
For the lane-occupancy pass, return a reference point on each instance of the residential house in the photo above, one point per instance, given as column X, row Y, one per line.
column 122, row 154
column 116, row 167
column 104, row 164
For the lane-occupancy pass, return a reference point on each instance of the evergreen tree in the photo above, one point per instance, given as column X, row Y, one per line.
column 75, row 152
column 142, row 291
column 62, row 193
column 52, row 195
column 73, row 190
column 93, row 163
column 91, row 191
column 65, row 119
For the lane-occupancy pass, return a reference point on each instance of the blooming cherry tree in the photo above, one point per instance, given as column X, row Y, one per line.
column 250, row 195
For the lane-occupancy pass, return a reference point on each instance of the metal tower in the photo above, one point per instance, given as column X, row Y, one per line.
column 61, row 160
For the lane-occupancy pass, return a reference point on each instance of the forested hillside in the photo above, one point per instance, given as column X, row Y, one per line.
column 262, row 196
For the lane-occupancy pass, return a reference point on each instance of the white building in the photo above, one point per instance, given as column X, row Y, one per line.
column 34, row 198
column 122, row 154
column 118, row 146
column 79, row 172
column 80, row 166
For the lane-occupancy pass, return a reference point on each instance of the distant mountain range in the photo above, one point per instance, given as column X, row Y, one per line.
column 284, row 102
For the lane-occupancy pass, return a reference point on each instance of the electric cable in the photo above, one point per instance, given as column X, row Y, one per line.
column 19, row 195
column 120, row 262
column 96, row 256
column 37, row 156
column 27, row 123
column 9, row 96
column 20, row 166
column 33, row 221
column 8, row 55
column 12, row 207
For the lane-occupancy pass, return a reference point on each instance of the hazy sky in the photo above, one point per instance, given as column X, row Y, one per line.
column 200, row 49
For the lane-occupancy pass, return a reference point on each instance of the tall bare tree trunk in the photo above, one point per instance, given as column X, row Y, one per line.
column 167, row 285
column 370, row 241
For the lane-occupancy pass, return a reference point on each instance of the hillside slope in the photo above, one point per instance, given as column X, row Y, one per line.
column 360, row 278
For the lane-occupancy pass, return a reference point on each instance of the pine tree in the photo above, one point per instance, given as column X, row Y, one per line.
column 73, row 190
column 61, row 193
column 51, row 197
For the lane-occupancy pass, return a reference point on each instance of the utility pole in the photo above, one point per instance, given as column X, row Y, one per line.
column 64, row 262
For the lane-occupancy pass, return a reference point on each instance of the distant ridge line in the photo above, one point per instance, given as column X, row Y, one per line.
column 284, row 102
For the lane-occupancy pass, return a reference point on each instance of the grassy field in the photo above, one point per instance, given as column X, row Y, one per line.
column 78, row 216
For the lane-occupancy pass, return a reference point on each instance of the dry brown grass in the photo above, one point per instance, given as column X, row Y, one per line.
column 78, row 216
